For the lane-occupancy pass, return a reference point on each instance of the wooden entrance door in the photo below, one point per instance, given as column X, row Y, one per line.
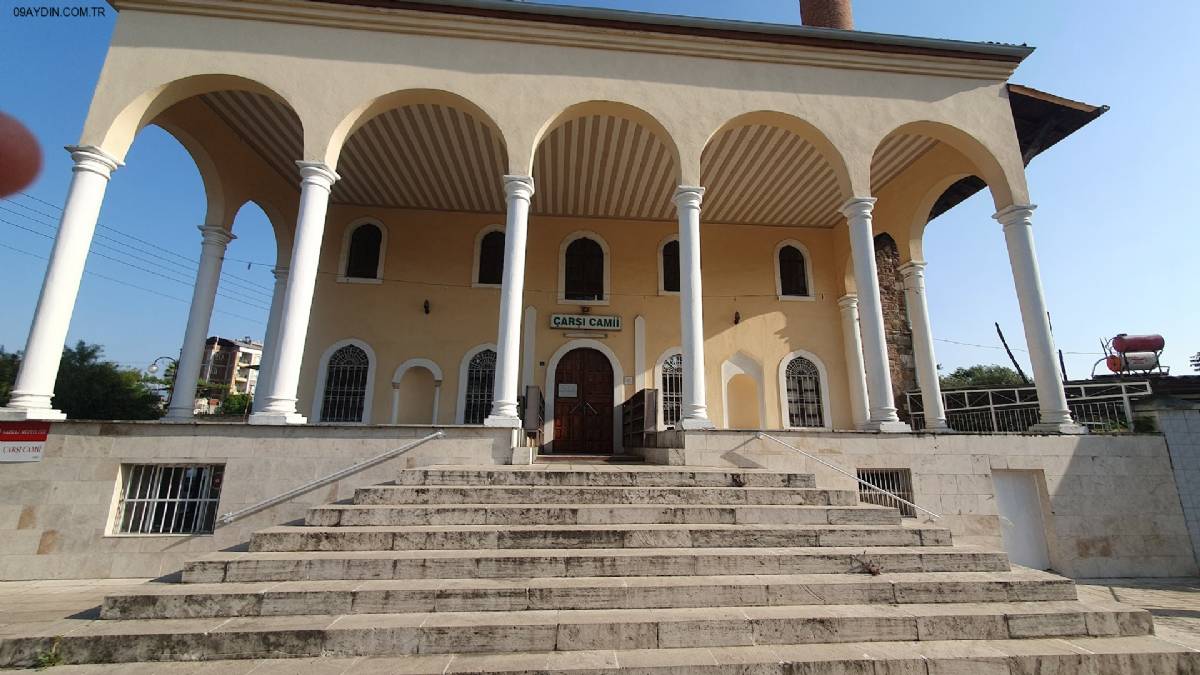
column 583, row 403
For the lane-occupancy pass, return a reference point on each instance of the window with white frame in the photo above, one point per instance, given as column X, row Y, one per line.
column 346, row 380
column 489, row 268
column 671, row 390
column 169, row 498
column 802, row 380
column 792, row 274
column 669, row 266
column 363, row 256
column 481, row 381
column 584, row 270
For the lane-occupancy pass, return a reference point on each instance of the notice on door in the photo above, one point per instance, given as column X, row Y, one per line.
column 584, row 322
column 566, row 390
column 23, row 441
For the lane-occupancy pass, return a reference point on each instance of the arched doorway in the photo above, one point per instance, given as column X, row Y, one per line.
column 583, row 403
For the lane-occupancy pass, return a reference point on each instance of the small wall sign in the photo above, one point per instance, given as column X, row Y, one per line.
column 23, row 441
column 585, row 322
column 566, row 390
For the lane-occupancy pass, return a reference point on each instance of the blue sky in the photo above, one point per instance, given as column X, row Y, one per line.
column 1115, row 229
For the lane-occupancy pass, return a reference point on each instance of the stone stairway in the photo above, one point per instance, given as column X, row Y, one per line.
column 563, row 568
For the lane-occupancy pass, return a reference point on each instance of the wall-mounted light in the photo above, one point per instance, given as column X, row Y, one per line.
column 426, row 306
column 737, row 318
column 584, row 309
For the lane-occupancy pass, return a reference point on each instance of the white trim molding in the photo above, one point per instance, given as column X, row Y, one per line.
column 475, row 283
column 662, row 273
column 741, row 363
column 460, row 410
column 323, row 371
column 618, row 386
column 657, row 384
column 344, row 256
column 562, row 268
column 808, row 272
column 823, row 373
column 398, row 376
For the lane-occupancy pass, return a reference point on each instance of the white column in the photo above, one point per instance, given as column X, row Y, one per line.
column 518, row 190
column 881, row 406
column 691, row 310
column 396, row 402
column 1052, row 400
column 191, row 358
column 923, row 352
column 43, row 349
column 316, row 180
column 529, row 351
column 266, row 365
column 854, row 360
column 437, row 398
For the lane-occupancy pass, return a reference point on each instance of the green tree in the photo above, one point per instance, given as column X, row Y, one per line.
column 982, row 375
column 235, row 404
column 89, row 388
column 9, row 363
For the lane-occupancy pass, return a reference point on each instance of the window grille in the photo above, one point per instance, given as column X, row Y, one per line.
column 804, row 394
column 169, row 498
column 345, row 385
column 584, row 267
column 491, row 258
column 481, row 380
column 672, row 390
column 670, row 266
column 362, row 261
column 898, row 481
column 793, row 278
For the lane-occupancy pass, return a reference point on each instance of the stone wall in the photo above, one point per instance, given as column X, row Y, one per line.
column 1181, row 426
column 57, row 515
column 1110, row 506
column 897, row 329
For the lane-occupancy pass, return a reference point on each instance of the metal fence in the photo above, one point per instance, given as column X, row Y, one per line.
column 1100, row 406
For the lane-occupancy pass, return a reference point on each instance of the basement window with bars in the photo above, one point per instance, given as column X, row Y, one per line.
column 169, row 498
column 896, row 481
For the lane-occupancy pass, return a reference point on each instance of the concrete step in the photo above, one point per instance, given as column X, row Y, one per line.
column 571, row 630
column 510, row 494
column 1145, row 655
column 493, row 564
column 601, row 476
column 595, row 514
column 186, row 601
column 440, row 537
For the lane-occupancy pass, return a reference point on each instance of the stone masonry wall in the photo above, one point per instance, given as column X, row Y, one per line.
column 896, row 327
column 1182, row 429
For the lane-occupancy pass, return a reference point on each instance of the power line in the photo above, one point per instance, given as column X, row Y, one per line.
column 126, row 283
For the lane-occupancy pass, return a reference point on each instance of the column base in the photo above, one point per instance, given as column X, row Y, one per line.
column 502, row 422
column 937, row 427
column 278, row 419
column 179, row 415
column 1067, row 428
column 887, row 426
column 23, row 414
column 696, row 423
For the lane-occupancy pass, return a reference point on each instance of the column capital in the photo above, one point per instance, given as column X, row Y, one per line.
column 858, row 206
column 215, row 235
column 280, row 273
column 913, row 269
column 518, row 187
column 1017, row 214
column 317, row 173
column 848, row 301
column 688, row 196
column 91, row 158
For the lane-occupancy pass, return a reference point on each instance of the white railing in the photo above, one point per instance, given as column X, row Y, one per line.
column 1100, row 406
column 336, row 476
column 846, row 473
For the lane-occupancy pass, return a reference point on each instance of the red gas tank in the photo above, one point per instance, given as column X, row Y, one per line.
column 1138, row 343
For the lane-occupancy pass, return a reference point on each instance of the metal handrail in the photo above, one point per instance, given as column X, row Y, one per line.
column 312, row 485
column 844, row 472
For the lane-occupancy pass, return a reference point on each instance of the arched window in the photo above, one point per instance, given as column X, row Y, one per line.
column 345, row 389
column 583, row 275
column 481, row 380
column 490, row 266
column 671, row 390
column 670, row 266
column 363, row 258
column 791, row 271
column 802, row 380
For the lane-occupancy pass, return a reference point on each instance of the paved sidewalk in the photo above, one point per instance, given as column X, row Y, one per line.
column 59, row 607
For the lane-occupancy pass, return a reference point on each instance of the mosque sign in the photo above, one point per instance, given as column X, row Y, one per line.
column 585, row 322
